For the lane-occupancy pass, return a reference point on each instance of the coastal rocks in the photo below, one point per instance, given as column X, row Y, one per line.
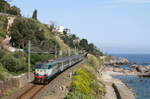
column 142, row 69
column 111, row 60
column 122, row 61
column 116, row 65
column 145, row 75
column 118, row 69
column 146, row 63
column 121, row 71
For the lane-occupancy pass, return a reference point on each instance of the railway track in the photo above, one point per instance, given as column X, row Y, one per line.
column 32, row 92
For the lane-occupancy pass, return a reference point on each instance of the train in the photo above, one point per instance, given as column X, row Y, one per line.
column 45, row 71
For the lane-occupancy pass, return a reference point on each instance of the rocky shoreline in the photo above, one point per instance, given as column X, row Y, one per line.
column 138, row 70
column 134, row 69
column 115, row 88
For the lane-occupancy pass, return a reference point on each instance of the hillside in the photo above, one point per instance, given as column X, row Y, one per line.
column 46, row 43
column 16, row 31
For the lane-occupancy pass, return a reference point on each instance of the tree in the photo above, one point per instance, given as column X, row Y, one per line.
column 91, row 47
column 49, row 45
column 66, row 31
column 84, row 44
column 14, row 11
column 13, row 64
column 34, row 16
column 23, row 30
column 4, row 6
column 93, row 50
column 74, row 37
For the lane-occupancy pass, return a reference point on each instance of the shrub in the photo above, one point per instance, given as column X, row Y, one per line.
column 78, row 95
column 3, row 26
column 3, row 73
column 83, row 86
column 2, row 53
column 2, row 76
column 14, row 11
column 12, row 64
column 94, row 62
column 6, row 8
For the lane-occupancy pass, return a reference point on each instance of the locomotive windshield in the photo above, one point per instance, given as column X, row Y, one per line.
column 41, row 66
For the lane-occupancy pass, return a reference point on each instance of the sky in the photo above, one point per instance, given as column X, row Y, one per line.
column 115, row 26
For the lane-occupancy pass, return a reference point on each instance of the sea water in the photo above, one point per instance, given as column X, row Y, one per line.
column 140, row 86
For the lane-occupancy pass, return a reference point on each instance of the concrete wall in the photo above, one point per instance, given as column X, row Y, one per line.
column 15, row 82
column 122, row 91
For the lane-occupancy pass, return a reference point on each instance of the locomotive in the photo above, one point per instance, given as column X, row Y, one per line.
column 45, row 71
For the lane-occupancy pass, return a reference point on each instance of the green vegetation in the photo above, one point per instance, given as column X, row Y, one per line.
column 63, row 47
column 3, row 73
column 44, row 39
column 74, row 42
column 14, row 63
column 70, row 40
column 24, row 29
column 90, row 48
column 3, row 26
column 39, row 57
column 94, row 62
column 84, row 82
column 6, row 8
column 84, row 86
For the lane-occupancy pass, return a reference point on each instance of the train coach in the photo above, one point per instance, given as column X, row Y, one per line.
column 45, row 71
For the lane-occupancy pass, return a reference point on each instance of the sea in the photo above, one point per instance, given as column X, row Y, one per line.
column 140, row 86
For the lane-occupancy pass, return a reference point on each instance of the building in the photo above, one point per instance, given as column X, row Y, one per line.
column 60, row 29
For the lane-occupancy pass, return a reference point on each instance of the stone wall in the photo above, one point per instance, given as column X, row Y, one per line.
column 15, row 82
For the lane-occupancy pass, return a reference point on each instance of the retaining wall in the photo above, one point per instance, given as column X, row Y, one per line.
column 15, row 82
column 122, row 91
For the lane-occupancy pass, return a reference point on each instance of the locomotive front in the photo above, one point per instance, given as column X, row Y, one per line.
column 41, row 73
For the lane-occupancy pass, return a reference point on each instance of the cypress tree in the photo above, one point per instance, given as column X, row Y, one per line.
column 34, row 16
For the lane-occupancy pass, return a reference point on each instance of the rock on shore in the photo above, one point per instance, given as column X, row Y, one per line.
column 143, row 70
column 111, row 60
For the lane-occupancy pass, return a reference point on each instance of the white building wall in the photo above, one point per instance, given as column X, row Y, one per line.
column 61, row 29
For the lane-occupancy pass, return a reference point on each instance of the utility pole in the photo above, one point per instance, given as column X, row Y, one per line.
column 29, row 59
column 69, row 52
column 55, row 51
column 75, row 48
column 60, row 53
